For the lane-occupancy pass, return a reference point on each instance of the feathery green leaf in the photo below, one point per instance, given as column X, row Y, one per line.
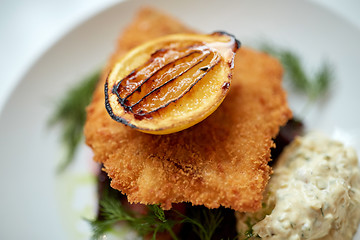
column 70, row 114
column 112, row 212
column 205, row 222
column 314, row 86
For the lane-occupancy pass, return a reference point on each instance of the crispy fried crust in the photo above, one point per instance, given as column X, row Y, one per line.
column 220, row 161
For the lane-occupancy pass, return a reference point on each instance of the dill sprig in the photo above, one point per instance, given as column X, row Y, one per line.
column 112, row 212
column 71, row 115
column 314, row 86
column 249, row 233
column 204, row 223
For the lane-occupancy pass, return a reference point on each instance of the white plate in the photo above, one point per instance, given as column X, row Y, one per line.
column 38, row 204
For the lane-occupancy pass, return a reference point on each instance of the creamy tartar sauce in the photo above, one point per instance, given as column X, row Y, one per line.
column 314, row 193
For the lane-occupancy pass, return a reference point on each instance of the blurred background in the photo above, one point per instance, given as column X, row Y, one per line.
column 29, row 27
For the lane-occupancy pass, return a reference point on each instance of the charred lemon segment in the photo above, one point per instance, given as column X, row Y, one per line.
column 171, row 83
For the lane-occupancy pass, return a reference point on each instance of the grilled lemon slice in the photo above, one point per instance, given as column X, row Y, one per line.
column 171, row 83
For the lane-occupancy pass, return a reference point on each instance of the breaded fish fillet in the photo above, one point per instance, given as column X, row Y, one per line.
column 221, row 161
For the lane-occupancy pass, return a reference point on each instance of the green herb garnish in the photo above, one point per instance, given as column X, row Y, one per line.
column 249, row 232
column 313, row 86
column 112, row 212
column 70, row 114
column 204, row 223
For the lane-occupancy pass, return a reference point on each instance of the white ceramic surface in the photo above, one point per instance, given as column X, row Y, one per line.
column 33, row 199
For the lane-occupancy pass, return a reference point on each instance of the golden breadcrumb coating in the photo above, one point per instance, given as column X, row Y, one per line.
column 221, row 161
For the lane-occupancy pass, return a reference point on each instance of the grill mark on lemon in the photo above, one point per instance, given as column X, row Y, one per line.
column 163, row 73
column 155, row 86
column 167, row 89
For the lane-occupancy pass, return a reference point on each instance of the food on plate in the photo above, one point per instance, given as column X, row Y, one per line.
column 314, row 193
column 221, row 161
column 171, row 83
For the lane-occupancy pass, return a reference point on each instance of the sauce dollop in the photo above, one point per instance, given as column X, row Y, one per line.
column 313, row 194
